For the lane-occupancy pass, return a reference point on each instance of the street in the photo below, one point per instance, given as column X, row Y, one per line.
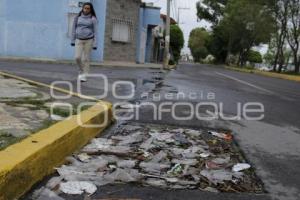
column 271, row 145
column 150, row 99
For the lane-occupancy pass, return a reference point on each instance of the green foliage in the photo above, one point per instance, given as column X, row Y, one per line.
column 198, row 43
column 176, row 41
column 218, row 44
column 211, row 10
column 238, row 25
column 269, row 57
column 247, row 24
column 171, row 62
column 254, row 57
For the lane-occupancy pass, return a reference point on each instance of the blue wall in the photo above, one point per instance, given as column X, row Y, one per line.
column 149, row 45
column 151, row 16
column 148, row 17
column 38, row 29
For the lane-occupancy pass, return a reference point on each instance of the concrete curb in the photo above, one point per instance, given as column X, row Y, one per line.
column 269, row 74
column 24, row 164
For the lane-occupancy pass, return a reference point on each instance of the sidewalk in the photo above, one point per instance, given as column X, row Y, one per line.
column 99, row 64
column 22, row 111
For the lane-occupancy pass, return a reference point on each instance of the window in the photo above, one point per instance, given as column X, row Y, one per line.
column 122, row 30
column 71, row 17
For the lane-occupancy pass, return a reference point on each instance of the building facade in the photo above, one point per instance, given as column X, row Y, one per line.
column 121, row 31
column 41, row 29
column 149, row 33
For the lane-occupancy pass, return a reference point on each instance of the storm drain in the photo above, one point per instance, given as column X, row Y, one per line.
column 159, row 156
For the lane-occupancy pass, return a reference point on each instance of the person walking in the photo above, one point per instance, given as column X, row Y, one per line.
column 84, row 38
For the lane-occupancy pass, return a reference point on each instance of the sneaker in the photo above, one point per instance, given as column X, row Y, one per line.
column 82, row 78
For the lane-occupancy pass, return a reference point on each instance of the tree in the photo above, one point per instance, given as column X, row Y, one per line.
column 211, row 10
column 198, row 43
column 269, row 57
column 254, row 57
column 247, row 24
column 238, row 25
column 176, row 41
column 281, row 16
column 293, row 35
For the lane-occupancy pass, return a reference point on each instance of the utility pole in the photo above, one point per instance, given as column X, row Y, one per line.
column 167, row 38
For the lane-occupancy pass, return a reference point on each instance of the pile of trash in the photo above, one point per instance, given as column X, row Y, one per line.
column 159, row 156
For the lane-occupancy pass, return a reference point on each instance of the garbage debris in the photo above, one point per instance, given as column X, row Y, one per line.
column 130, row 139
column 240, row 167
column 46, row 194
column 181, row 139
column 221, row 161
column 56, row 117
column 84, row 157
column 54, row 182
column 172, row 180
column 225, row 136
column 156, row 182
column 205, row 155
column 163, row 137
column 219, row 176
column 126, row 164
column 176, row 170
column 78, row 187
column 190, row 162
column 159, row 156
column 155, row 168
column 122, row 175
column 193, row 133
column 210, row 189
column 212, row 165
column 147, row 144
column 100, row 143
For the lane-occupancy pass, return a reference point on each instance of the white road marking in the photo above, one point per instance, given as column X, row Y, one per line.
column 246, row 83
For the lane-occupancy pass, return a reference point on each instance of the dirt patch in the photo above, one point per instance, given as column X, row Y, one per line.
column 24, row 109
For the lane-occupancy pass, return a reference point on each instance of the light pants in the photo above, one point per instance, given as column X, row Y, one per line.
column 83, row 50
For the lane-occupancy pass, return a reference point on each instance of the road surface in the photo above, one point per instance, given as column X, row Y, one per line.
column 272, row 145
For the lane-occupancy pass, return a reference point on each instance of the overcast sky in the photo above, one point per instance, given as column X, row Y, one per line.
column 188, row 18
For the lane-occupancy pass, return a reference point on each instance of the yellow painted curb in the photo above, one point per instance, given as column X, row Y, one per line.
column 269, row 74
column 24, row 164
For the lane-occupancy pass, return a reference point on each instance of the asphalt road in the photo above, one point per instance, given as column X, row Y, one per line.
column 272, row 145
